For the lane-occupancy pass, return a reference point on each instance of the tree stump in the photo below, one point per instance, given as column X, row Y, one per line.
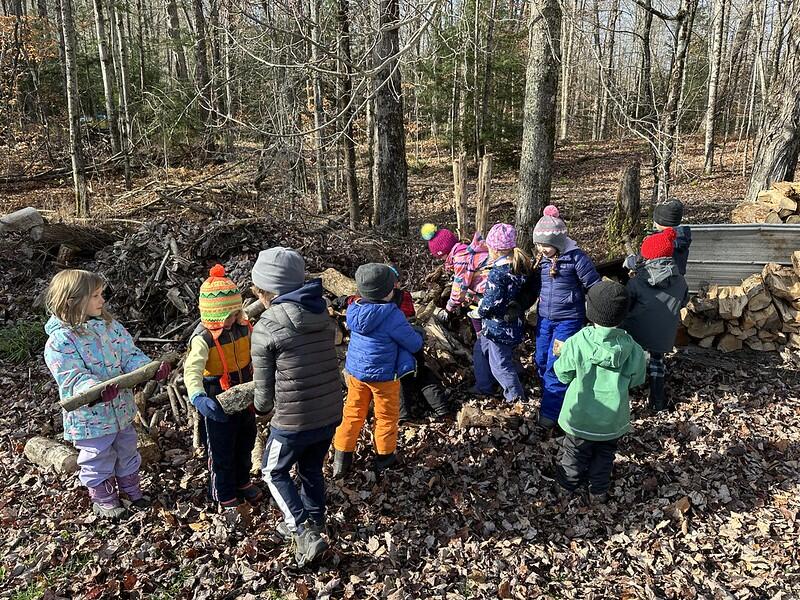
column 623, row 224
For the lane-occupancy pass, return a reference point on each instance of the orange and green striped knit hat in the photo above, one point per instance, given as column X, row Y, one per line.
column 219, row 297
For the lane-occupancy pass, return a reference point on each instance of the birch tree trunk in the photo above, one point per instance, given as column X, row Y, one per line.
column 319, row 115
column 106, row 71
column 82, row 208
column 538, row 134
column 390, row 179
column 778, row 141
column 713, row 84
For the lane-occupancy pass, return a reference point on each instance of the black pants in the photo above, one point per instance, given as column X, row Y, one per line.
column 229, row 446
column 422, row 386
column 308, row 452
column 586, row 461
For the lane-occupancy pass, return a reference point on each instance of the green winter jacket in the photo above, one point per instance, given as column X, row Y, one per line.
column 600, row 365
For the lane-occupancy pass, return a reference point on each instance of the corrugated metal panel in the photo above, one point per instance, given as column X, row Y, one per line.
column 727, row 254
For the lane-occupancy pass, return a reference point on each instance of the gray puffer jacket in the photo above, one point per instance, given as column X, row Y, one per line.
column 657, row 294
column 294, row 359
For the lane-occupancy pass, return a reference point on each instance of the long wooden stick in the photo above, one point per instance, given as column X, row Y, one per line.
column 128, row 380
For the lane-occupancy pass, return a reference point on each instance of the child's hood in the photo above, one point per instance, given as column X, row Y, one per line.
column 303, row 309
column 365, row 317
column 54, row 325
column 658, row 271
column 608, row 347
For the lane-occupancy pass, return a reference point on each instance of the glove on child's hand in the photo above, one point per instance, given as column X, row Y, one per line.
column 110, row 392
column 209, row 408
column 164, row 369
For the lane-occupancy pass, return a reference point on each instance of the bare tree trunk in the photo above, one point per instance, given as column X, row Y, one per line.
column 124, row 98
column 476, row 61
column 347, row 113
column 319, row 115
column 609, row 66
column 669, row 115
column 713, row 81
column 488, row 72
column 181, row 70
column 568, row 36
column 106, row 70
column 390, row 179
column 202, row 76
column 538, row 135
column 778, row 141
column 82, row 208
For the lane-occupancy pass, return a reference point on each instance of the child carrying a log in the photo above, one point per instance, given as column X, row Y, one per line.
column 599, row 364
column 469, row 264
column 87, row 346
column 297, row 377
column 417, row 386
column 657, row 293
column 219, row 358
column 566, row 273
column 502, row 316
column 381, row 351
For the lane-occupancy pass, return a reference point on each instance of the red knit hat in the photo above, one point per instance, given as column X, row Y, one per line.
column 659, row 245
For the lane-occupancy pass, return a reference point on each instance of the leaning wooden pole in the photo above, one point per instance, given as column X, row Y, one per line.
column 460, row 193
column 482, row 197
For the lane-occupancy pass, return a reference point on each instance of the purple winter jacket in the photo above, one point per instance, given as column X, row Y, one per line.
column 564, row 296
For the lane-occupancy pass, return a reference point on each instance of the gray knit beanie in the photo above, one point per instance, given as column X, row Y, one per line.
column 668, row 214
column 279, row 270
column 375, row 281
column 551, row 230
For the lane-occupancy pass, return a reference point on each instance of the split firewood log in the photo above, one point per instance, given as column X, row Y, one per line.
column 732, row 301
column 700, row 327
column 470, row 416
column 729, row 343
column 237, row 398
column 128, row 380
column 782, row 281
column 48, row 453
column 796, row 262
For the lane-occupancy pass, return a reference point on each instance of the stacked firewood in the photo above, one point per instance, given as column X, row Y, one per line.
column 762, row 313
column 779, row 204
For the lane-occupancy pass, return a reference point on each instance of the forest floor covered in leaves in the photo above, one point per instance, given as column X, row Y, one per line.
column 705, row 497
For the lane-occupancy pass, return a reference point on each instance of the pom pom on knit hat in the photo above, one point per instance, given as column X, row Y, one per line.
column 219, row 297
column 440, row 242
column 659, row 245
column 428, row 231
column 551, row 211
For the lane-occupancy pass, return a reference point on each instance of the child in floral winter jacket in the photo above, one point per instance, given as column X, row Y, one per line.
column 502, row 316
column 469, row 264
column 86, row 346
column 566, row 273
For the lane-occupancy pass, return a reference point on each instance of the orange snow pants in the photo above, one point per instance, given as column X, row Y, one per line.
column 386, row 395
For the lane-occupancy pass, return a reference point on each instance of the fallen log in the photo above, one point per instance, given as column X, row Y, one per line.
column 128, row 380
column 48, row 453
column 337, row 283
column 470, row 416
column 237, row 398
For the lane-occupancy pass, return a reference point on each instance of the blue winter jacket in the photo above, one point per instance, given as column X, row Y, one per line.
column 681, row 251
column 564, row 296
column 382, row 342
column 502, row 288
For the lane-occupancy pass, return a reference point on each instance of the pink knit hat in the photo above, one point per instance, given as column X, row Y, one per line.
column 502, row 236
column 440, row 241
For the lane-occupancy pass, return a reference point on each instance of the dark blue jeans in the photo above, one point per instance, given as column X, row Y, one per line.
column 307, row 450
column 495, row 362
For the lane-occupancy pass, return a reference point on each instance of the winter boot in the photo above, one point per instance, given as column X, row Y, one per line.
column 282, row 528
column 436, row 398
column 250, row 493
column 658, row 394
column 105, row 501
column 385, row 461
column 130, row 486
column 309, row 546
column 342, row 462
